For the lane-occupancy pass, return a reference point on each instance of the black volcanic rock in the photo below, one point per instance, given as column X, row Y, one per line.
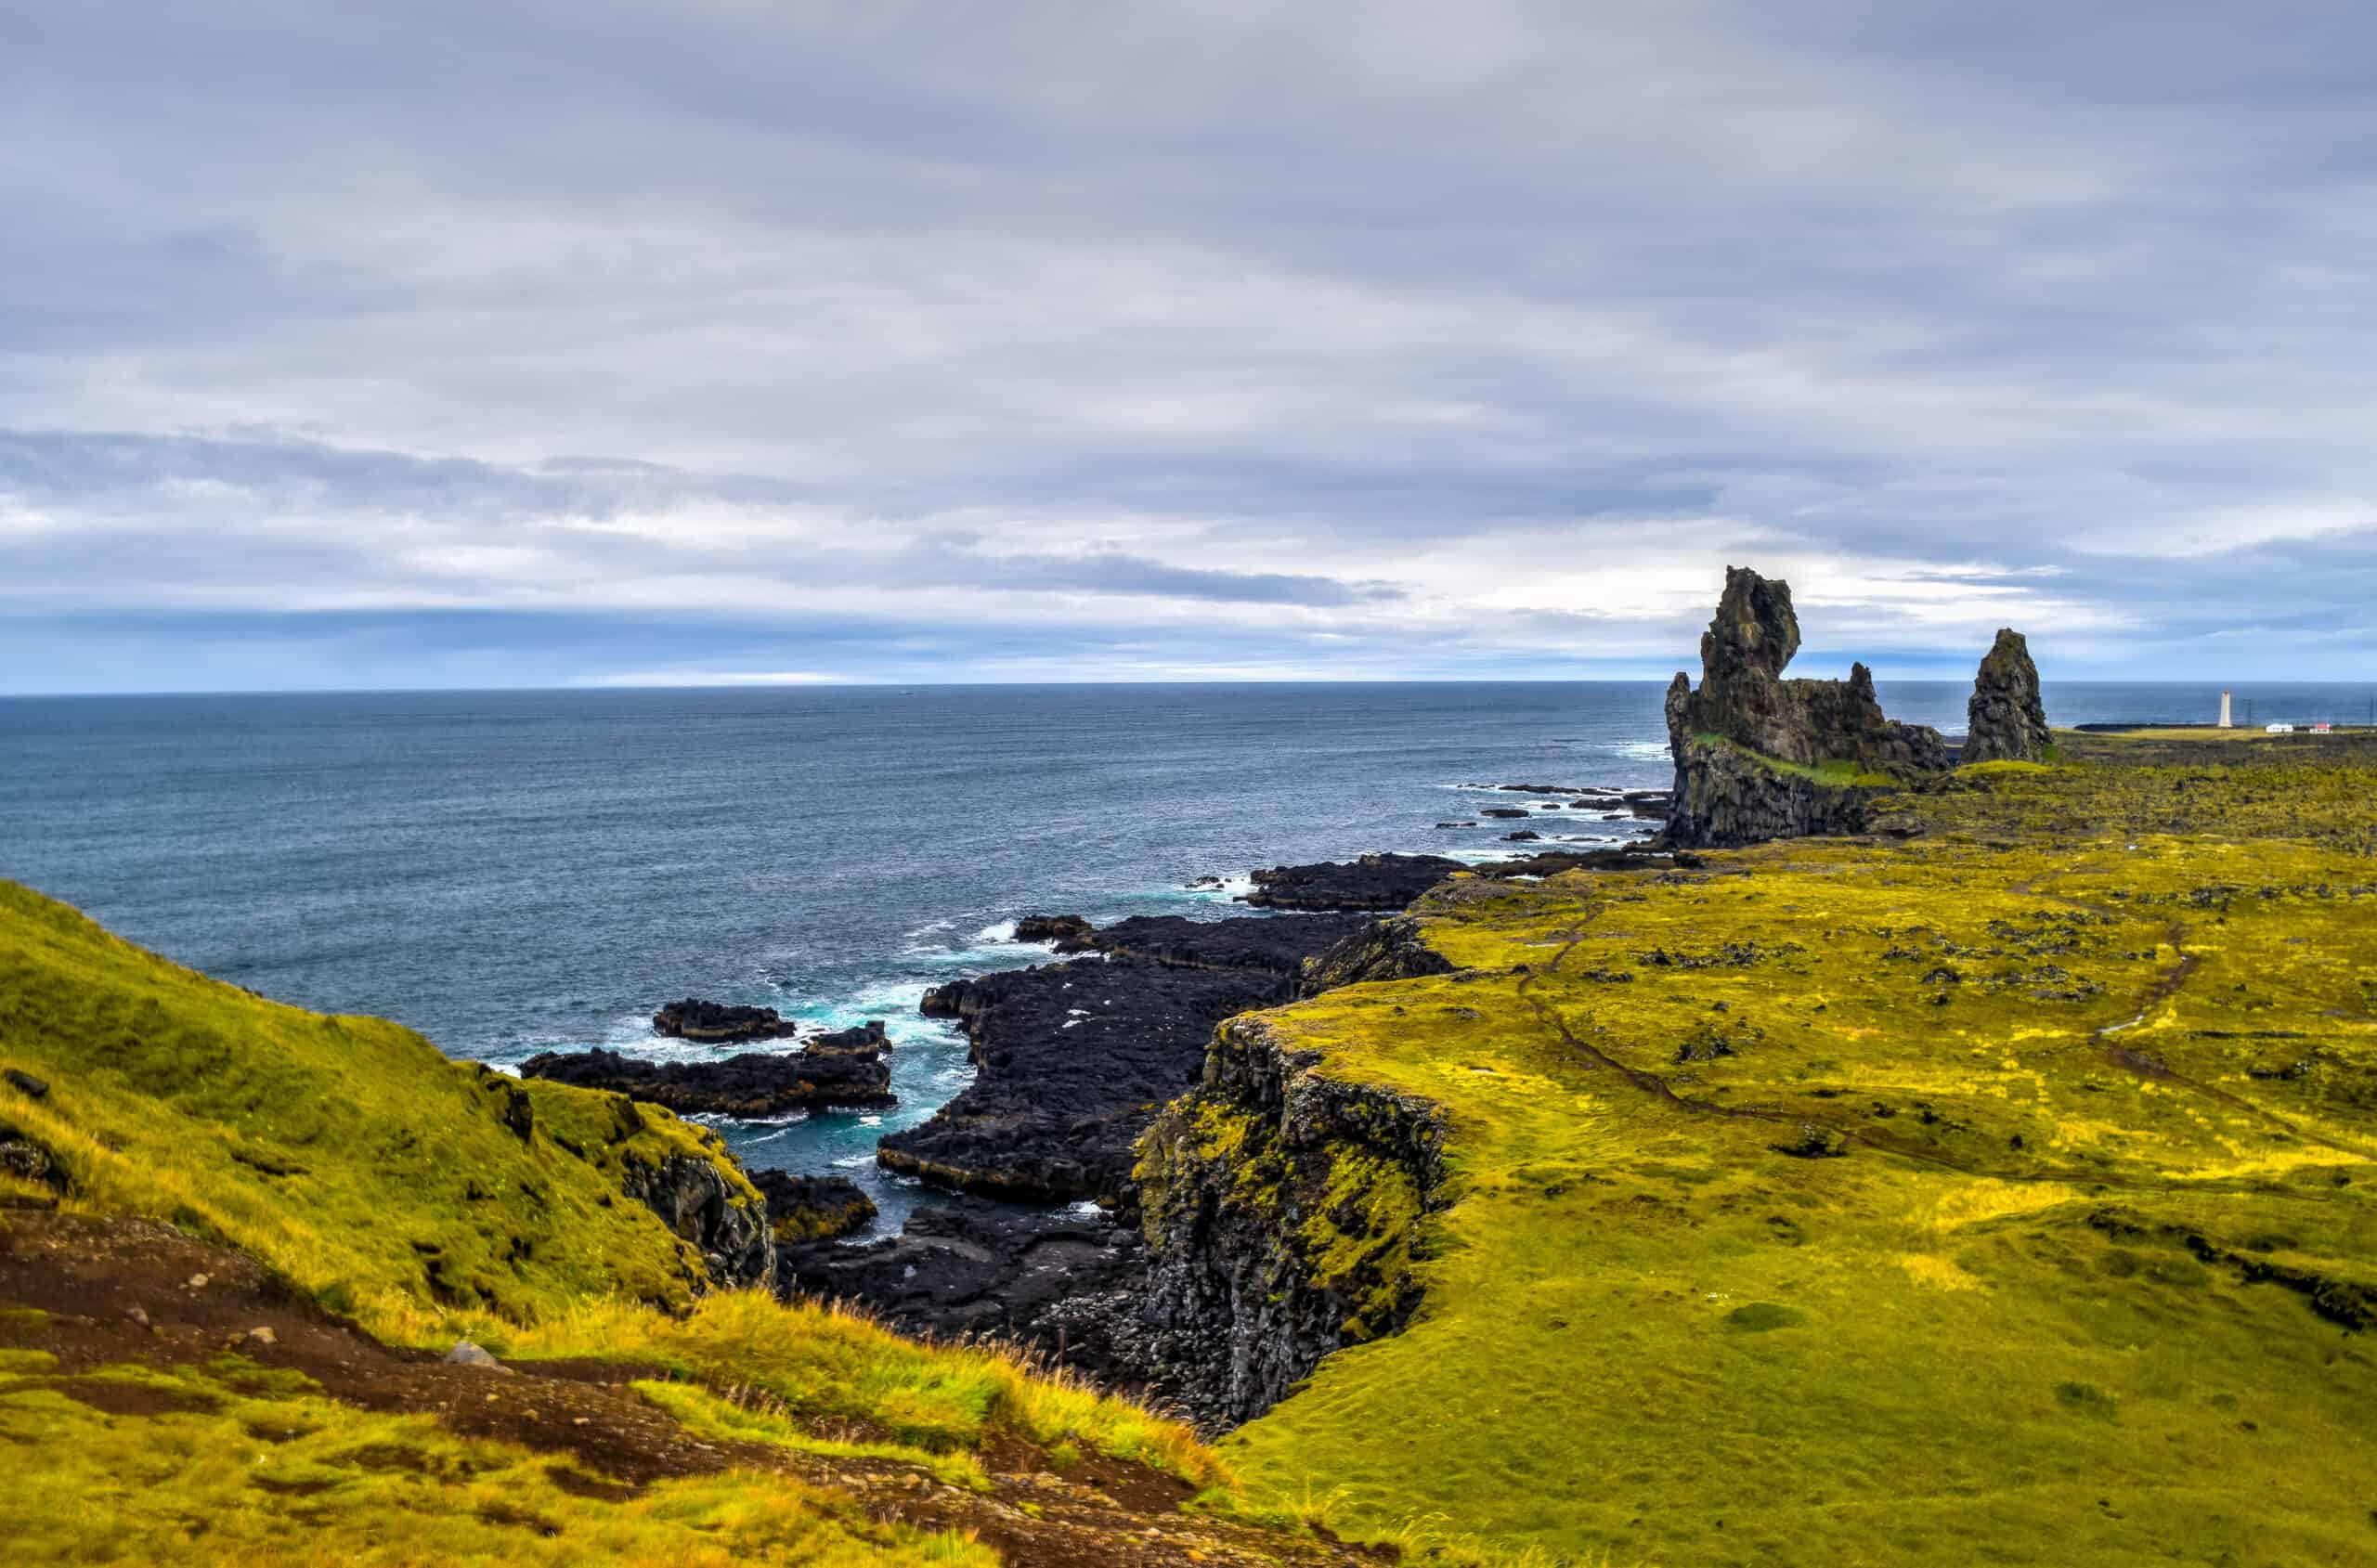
column 2005, row 720
column 1075, row 1058
column 1070, row 933
column 832, row 1069
column 1505, row 812
column 803, row 1209
column 1758, row 756
column 1373, row 882
column 1278, row 945
column 719, row 1023
column 971, row 1266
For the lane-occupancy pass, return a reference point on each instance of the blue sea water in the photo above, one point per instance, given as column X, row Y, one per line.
column 518, row 871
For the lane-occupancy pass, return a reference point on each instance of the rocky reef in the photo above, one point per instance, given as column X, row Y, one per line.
column 843, row 1068
column 977, row 1267
column 1073, row 1059
column 2005, row 721
column 1373, row 882
column 719, row 1023
column 1759, row 756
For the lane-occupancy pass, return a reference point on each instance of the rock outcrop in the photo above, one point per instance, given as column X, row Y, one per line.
column 719, row 1023
column 1280, row 1208
column 1073, row 1059
column 971, row 1266
column 694, row 1198
column 843, row 1068
column 1759, row 756
column 2005, row 720
column 1373, row 882
column 802, row 1208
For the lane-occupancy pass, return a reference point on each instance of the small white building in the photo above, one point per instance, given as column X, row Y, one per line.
column 2281, row 729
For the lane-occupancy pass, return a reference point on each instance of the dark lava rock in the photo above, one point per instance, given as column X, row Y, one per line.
column 719, row 1023
column 26, row 1084
column 1075, row 1058
column 1278, row 945
column 694, row 1199
column 1651, row 805
column 1747, row 742
column 1380, row 950
column 977, row 1267
column 1505, row 813
column 2005, row 720
column 1070, row 933
column 846, row 1069
column 1374, row 882
column 1524, row 835
column 1456, row 824
column 1624, row 857
column 803, row 1209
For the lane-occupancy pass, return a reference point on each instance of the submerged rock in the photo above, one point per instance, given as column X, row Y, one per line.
column 2005, row 720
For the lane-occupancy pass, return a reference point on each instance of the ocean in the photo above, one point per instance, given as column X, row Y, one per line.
column 516, row 872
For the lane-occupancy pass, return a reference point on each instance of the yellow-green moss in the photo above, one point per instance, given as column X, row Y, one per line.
column 220, row 1473
column 2098, row 1063
column 346, row 1152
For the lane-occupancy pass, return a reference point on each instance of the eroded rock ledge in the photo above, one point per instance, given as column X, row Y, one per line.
column 1280, row 1209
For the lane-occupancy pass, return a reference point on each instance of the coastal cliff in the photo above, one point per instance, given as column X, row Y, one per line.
column 1280, row 1209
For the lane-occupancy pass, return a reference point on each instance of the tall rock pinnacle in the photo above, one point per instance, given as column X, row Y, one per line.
column 2005, row 721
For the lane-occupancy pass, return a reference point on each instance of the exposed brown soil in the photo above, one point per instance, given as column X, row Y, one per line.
column 127, row 1291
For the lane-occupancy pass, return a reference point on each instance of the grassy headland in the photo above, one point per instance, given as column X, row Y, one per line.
column 2004, row 1194
column 227, row 1223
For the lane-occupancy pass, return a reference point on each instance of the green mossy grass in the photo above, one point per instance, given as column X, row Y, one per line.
column 231, row 1467
column 2007, row 1194
column 419, row 1195
column 429, row 1198
column 823, row 1370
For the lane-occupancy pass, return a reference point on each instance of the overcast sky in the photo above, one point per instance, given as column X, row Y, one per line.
column 512, row 344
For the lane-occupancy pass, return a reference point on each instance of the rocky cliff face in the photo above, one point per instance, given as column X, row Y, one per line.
column 693, row 1197
column 1759, row 756
column 1280, row 1209
column 2007, row 722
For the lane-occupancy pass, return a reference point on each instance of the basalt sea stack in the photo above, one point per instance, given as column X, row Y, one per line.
column 1758, row 756
column 2005, row 721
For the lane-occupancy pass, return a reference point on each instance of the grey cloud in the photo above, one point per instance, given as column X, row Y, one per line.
column 1197, row 307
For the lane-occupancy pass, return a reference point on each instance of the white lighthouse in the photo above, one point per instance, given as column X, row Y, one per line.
column 2225, row 722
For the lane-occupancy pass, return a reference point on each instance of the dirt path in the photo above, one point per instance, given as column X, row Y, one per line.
column 126, row 1290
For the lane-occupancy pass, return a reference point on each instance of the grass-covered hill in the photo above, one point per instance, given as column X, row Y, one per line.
column 2007, row 1194
column 235, row 1237
column 347, row 1152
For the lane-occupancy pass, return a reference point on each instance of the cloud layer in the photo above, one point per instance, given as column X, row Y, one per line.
column 532, row 343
